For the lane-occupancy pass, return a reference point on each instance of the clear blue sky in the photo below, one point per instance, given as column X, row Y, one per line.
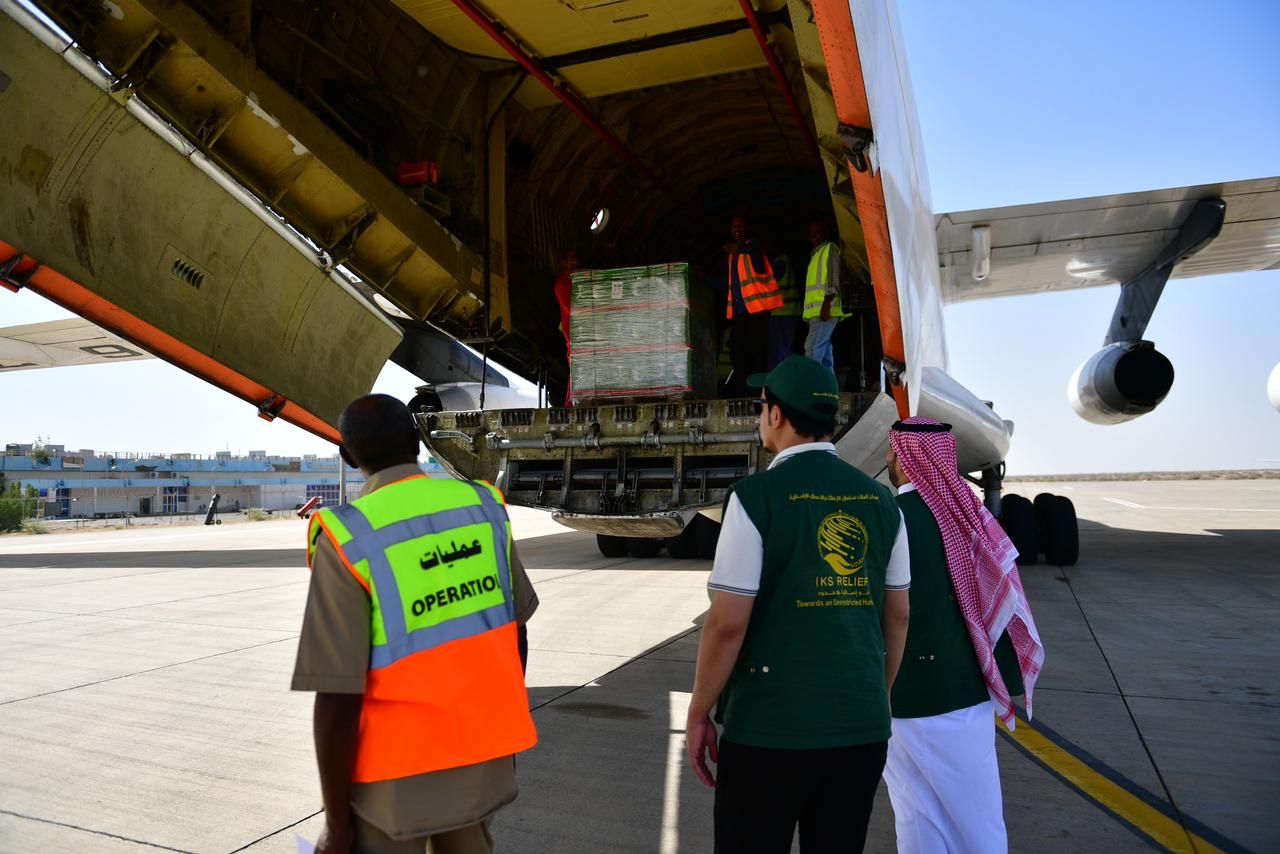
column 1028, row 102
column 1019, row 102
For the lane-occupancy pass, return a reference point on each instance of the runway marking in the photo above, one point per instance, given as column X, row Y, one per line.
column 1124, row 503
column 1142, row 812
column 1132, row 506
column 1221, row 509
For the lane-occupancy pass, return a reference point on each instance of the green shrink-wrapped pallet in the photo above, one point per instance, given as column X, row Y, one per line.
column 639, row 333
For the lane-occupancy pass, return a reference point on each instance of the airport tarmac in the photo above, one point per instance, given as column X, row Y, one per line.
column 144, row 698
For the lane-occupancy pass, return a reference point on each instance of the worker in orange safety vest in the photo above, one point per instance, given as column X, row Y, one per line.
column 413, row 640
column 753, row 294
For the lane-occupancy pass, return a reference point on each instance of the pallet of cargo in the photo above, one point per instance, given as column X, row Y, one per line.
column 638, row 334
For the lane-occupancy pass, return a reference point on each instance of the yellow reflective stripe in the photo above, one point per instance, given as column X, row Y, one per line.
column 764, row 300
column 759, row 283
column 748, row 275
column 815, row 292
column 314, row 530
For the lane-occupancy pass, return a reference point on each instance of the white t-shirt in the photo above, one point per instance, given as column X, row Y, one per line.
column 740, row 553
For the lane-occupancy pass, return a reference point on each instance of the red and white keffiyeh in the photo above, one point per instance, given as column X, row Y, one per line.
column 980, row 557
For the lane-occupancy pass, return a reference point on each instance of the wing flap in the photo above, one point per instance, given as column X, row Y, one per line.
column 1081, row 243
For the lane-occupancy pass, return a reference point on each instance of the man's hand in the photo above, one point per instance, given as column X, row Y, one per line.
column 723, row 630
column 337, row 728
column 335, row 840
column 701, row 741
column 731, row 249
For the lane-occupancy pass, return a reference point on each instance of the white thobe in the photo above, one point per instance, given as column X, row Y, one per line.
column 944, row 783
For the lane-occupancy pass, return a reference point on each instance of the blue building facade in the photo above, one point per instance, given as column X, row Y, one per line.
column 89, row 484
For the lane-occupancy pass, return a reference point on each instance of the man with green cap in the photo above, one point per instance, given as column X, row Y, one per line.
column 808, row 617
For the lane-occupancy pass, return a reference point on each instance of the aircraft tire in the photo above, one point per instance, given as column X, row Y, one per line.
column 1018, row 518
column 611, row 546
column 708, row 534
column 1041, row 504
column 685, row 545
column 643, row 547
column 1059, row 531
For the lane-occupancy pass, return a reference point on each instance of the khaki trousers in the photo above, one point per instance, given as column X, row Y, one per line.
column 473, row 839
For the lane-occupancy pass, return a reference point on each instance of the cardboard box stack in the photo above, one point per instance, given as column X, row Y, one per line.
column 639, row 333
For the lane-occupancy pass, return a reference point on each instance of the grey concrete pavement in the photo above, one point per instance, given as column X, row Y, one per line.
column 144, row 702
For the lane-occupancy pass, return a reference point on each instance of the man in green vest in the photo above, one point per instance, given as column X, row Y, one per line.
column 822, row 308
column 941, row 771
column 784, row 322
column 804, row 635
column 407, row 755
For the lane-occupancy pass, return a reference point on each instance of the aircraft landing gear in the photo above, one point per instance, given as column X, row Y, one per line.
column 991, row 483
column 696, row 542
column 684, row 546
column 637, row 547
column 1047, row 526
column 643, row 547
column 611, row 546
column 1059, row 529
column 1018, row 518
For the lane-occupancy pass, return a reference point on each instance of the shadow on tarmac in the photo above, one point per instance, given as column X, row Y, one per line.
column 217, row 558
column 577, row 550
column 609, row 772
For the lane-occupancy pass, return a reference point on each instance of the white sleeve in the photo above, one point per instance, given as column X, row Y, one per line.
column 739, row 553
column 898, row 574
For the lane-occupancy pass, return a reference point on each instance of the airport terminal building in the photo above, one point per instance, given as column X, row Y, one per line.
column 88, row 484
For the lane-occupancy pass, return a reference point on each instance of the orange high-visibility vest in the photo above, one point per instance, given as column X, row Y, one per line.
column 760, row 289
column 445, row 687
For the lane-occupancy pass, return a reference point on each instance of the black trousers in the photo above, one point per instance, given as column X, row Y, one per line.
column 748, row 350
column 763, row 792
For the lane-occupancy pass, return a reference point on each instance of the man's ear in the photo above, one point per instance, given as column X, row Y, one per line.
column 346, row 457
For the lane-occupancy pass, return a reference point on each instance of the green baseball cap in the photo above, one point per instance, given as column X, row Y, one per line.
column 802, row 384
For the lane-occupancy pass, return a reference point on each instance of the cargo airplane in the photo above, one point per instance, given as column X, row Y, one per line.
column 278, row 197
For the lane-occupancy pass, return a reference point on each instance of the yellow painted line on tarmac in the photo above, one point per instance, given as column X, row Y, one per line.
column 1115, row 799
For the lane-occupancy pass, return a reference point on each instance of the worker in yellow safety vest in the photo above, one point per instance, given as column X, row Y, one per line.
column 822, row 308
column 413, row 638
column 754, row 293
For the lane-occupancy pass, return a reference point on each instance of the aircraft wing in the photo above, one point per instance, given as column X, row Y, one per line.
column 58, row 343
column 1105, row 240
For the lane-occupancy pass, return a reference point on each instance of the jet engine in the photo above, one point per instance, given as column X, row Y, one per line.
column 1120, row 382
column 1273, row 387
